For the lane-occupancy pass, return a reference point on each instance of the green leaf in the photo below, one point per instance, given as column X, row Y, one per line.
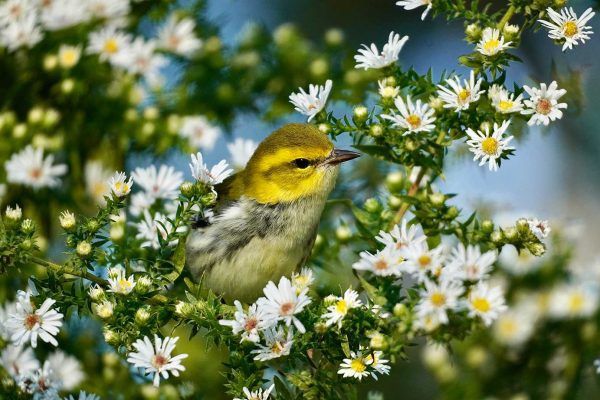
column 178, row 261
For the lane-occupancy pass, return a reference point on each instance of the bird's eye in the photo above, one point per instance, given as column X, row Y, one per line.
column 301, row 163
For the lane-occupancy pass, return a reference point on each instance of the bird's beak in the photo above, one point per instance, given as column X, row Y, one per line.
column 339, row 156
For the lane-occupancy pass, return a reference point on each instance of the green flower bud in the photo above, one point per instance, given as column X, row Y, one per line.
column 131, row 115
column 321, row 328
column 376, row 130
column 71, row 241
column 487, row 226
column 437, row 199
column 318, row 68
column 93, row 225
column 511, row 234
column 510, row 31
column 84, row 249
column 51, row 117
column 67, row 86
column 360, row 115
column 27, row 226
column 378, row 341
column 151, row 113
column 50, row 62
column 143, row 284
column 522, row 226
column 212, row 45
column 343, row 233
column 476, row 357
column 35, row 115
column 104, row 310
column 473, row 32
column 373, row 205
column 537, row 249
column 452, row 212
column 330, row 300
column 96, row 293
column 497, row 237
column 148, row 129
column 334, row 37
column 390, row 81
column 173, row 124
column 142, row 316
column 318, row 240
column 26, row 244
column 394, row 202
column 19, row 131
column 111, row 337
column 187, row 189
column 285, row 34
column 394, row 181
column 411, row 145
column 117, row 232
column 184, row 309
column 400, row 310
column 325, row 128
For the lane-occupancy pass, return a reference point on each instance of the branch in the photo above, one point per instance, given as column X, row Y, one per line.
column 63, row 269
column 509, row 13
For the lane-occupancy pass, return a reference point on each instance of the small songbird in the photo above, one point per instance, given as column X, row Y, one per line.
column 267, row 215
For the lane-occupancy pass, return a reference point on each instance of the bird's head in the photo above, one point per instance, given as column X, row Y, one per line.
column 294, row 162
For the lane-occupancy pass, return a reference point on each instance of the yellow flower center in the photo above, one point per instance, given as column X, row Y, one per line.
column 341, row 306
column 381, row 265
column 414, row 121
column 69, row 58
column 286, row 308
column 508, row 327
column 505, row 105
column 489, row 146
column 121, row 187
column 463, row 96
column 159, row 361
column 543, row 106
column 358, row 365
column 491, row 45
column 576, row 302
column 124, row 283
column 111, row 46
column 570, row 29
column 276, row 348
column 438, row 299
column 481, row 304
column 424, row 260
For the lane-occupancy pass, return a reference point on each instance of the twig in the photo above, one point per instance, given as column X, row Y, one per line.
column 509, row 13
column 69, row 270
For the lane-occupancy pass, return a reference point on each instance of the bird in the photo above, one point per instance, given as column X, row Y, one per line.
column 267, row 215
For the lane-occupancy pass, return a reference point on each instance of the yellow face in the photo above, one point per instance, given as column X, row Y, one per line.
column 294, row 162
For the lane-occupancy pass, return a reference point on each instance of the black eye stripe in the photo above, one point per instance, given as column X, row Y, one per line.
column 301, row 163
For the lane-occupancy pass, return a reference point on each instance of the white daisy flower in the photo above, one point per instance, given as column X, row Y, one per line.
column 438, row 299
column 179, row 37
column 459, row 97
column 30, row 168
column 566, row 26
column 83, row 396
column 256, row 394
column 22, row 32
column 417, row 117
column 119, row 185
column 140, row 202
column 248, row 323
column 489, row 148
column 514, row 326
column 338, row 310
column 156, row 359
column 469, row 264
column 214, row 176
column 422, row 262
column 18, row 360
column 503, row 101
column 311, row 103
column 427, row 322
column 401, row 237
column 151, row 226
column 106, row 308
column 108, row 42
column 384, row 262
column 159, row 184
column 28, row 323
column 282, row 303
column 303, row 279
column 539, row 228
column 39, row 384
column 370, row 57
column 14, row 213
column 62, row 14
column 96, row 181
column 199, row 132
column 5, row 311
column 140, row 57
column 66, row 370
column 412, row 4
column 357, row 366
column 241, row 151
column 119, row 283
column 108, row 9
column 573, row 300
column 543, row 103
column 491, row 42
column 486, row 302
column 277, row 344
column 11, row 10
column 378, row 364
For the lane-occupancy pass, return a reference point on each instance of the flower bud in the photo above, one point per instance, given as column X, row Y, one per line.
column 400, row 310
column 27, row 226
column 360, row 115
column 394, row 181
column 373, row 205
column 330, row 300
column 511, row 234
column 497, row 237
column 111, row 337
column 390, row 81
column 473, row 32
column 50, row 62
column 104, row 310
column 131, row 115
column 173, row 124
column 84, row 248
column 319, row 240
column 318, row 68
column 93, row 225
column 343, row 233
column 510, row 31
column 452, row 212
column 19, row 131
column 321, row 328
column 334, row 37
column 67, row 220
column 35, row 115
column 487, row 226
column 325, row 128
column 96, row 293
column 437, row 199
column 26, row 244
column 378, row 341
column 537, row 249
column 67, row 86
column 284, row 34
column 117, row 232
column 14, row 214
column 184, row 309
column 395, row 202
column 476, row 357
column 142, row 316
column 143, row 284
column 187, row 189
column 151, row 113
column 51, row 117
column 522, row 226
column 148, row 129
column 376, row 130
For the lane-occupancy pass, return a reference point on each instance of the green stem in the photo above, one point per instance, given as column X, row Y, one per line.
column 507, row 16
column 63, row 269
